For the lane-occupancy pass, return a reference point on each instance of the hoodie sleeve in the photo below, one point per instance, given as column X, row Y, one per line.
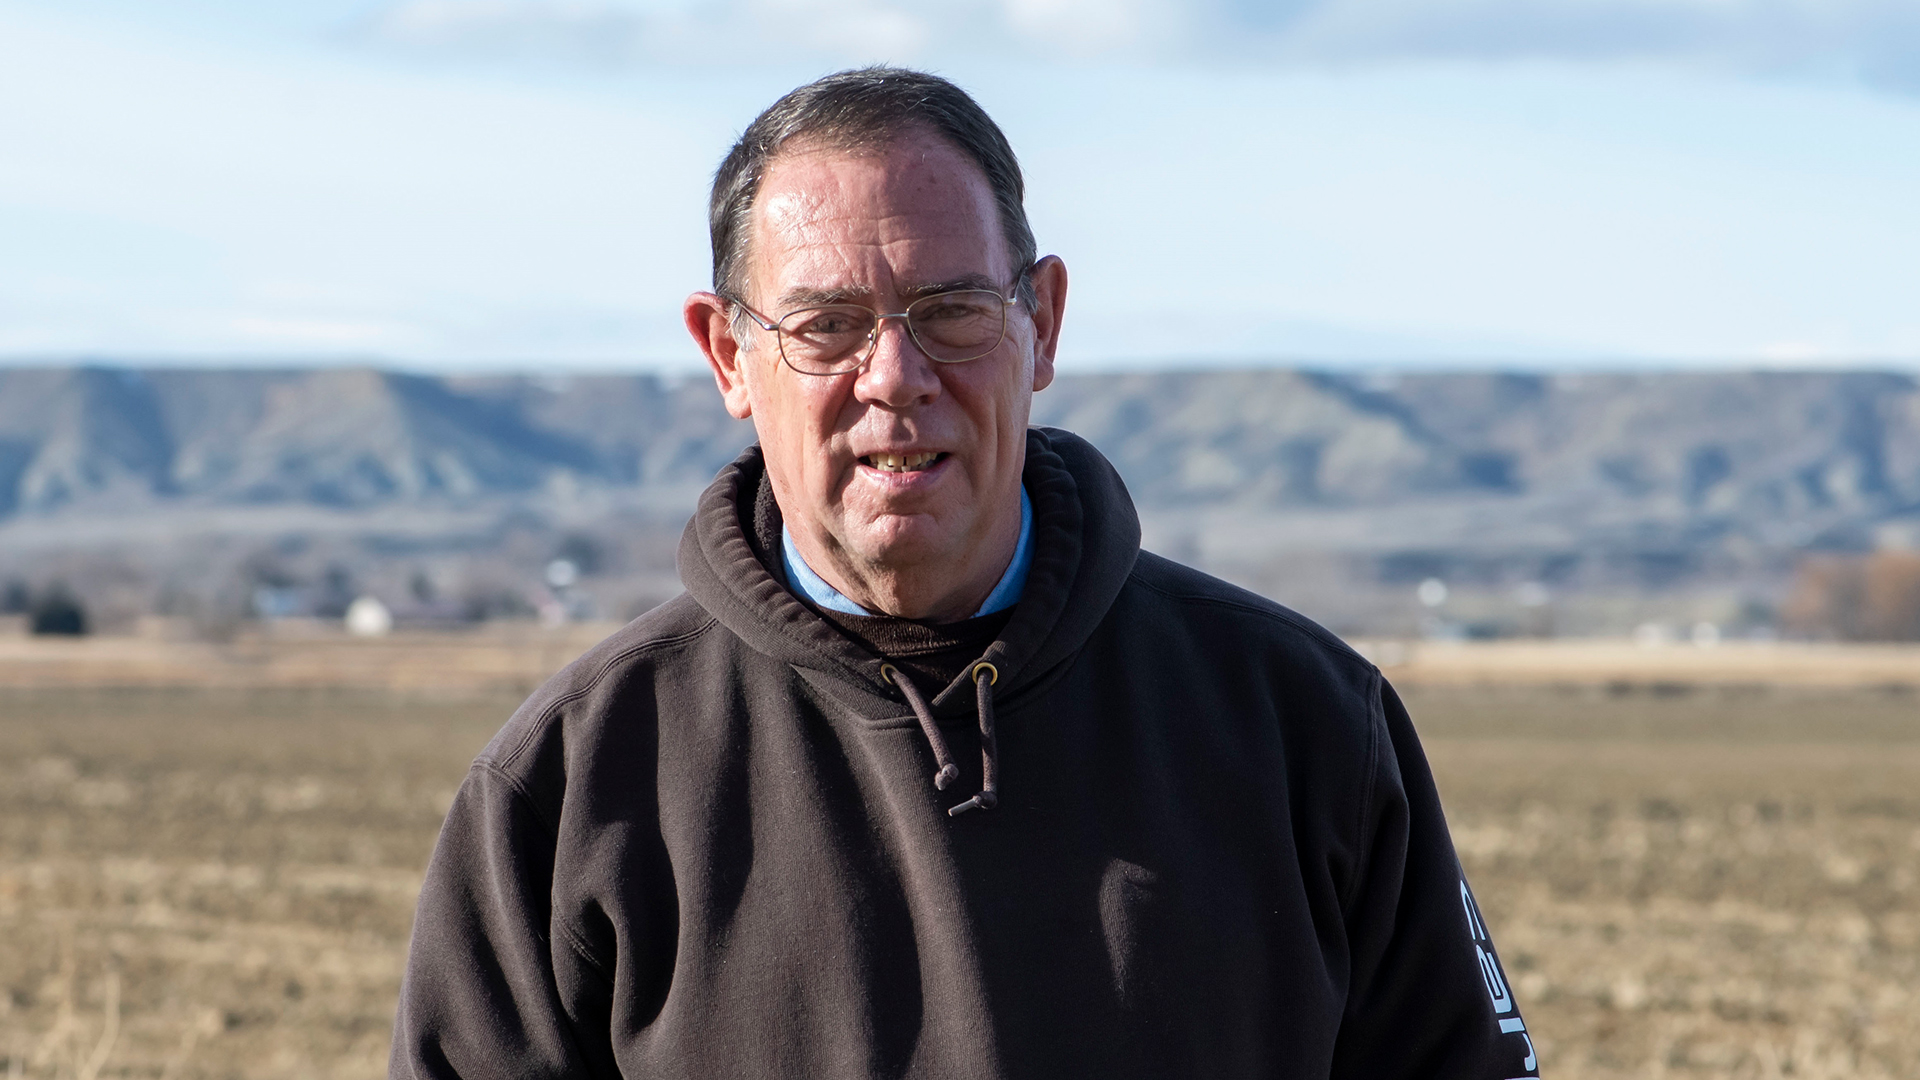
column 492, row 987
column 1427, row 996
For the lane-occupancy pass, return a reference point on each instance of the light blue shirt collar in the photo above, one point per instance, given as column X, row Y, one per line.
column 1003, row 596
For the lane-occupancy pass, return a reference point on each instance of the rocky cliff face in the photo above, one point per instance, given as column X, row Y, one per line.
column 1280, row 478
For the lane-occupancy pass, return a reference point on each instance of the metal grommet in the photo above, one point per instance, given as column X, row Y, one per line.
column 887, row 672
column 992, row 672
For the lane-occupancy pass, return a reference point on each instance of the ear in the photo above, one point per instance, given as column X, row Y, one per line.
column 706, row 317
column 1049, row 277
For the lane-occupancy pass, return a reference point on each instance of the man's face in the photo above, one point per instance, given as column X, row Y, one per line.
column 884, row 228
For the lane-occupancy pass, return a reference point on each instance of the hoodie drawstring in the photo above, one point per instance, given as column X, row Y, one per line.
column 948, row 771
column 984, row 676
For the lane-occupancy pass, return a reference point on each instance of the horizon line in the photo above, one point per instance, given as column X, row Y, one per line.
column 539, row 369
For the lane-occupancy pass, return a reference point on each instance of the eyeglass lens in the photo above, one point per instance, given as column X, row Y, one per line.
column 949, row 327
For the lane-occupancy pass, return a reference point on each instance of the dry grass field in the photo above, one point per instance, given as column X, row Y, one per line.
column 1706, row 881
column 215, row 883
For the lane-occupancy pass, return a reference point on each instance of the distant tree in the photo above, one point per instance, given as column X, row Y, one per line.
column 482, row 604
column 1856, row 598
column 336, row 591
column 1825, row 599
column 58, row 612
column 15, row 599
column 1891, row 588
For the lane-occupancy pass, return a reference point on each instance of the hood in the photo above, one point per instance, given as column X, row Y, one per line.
column 1086, row 537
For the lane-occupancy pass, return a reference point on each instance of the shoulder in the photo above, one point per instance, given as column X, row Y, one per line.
column 619, row 677
column 1181, row 598
column 1256, row 664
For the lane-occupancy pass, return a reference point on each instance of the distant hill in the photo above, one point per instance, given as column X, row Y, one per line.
column 340, row 438
column 1329, row 488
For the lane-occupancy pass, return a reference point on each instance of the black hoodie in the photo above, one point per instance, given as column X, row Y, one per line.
column 713, row 846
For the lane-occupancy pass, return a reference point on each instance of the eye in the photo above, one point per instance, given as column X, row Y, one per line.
column 827, row 322
column 967, row 304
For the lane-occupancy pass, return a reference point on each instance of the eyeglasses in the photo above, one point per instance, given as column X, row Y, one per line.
column 833, row 339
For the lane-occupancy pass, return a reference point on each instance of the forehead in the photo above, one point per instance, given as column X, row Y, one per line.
column 874, row 222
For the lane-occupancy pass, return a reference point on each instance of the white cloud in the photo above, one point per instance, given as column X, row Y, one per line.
column 616, row 33
column 611, row 34
column 1876, row 41
column 592, row 33
column 1093, row 28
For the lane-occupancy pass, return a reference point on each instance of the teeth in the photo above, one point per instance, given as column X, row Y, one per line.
column 901, row 462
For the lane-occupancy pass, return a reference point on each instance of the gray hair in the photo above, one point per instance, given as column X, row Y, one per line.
column 858, row 109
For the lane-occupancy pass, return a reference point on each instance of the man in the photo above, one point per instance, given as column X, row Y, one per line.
column 932, row 772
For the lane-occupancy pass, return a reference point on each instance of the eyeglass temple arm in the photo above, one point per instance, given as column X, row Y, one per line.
column 762, row 320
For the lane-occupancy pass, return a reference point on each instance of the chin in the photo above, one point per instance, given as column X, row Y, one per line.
column 905, row 542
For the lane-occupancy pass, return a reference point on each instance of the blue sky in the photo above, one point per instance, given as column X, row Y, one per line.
column 519, row 184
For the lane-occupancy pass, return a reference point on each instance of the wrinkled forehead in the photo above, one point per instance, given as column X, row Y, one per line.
column 874, row 217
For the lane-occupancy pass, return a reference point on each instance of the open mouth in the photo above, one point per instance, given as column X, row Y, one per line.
column 903, row 463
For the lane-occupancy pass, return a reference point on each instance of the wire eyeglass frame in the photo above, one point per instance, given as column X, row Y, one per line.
column 858, row 355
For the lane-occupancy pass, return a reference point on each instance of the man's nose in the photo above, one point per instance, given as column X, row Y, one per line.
column 897, row 373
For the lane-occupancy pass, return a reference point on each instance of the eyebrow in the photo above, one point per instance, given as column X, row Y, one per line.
column 804, row 297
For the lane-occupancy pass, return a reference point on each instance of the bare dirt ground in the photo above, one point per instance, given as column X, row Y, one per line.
column 1685, row 881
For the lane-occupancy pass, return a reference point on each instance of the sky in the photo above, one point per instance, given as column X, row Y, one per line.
column 482, row 185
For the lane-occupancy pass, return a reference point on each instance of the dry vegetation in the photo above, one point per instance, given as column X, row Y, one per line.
column 1701, row 883
column 218, row 882
column 215, row 883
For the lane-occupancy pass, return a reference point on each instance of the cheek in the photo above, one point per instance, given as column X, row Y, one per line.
column 774, row 424
column 998, row 406
column 800, row 428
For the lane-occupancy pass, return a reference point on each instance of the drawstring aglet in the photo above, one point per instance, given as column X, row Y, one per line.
column 986, row 800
